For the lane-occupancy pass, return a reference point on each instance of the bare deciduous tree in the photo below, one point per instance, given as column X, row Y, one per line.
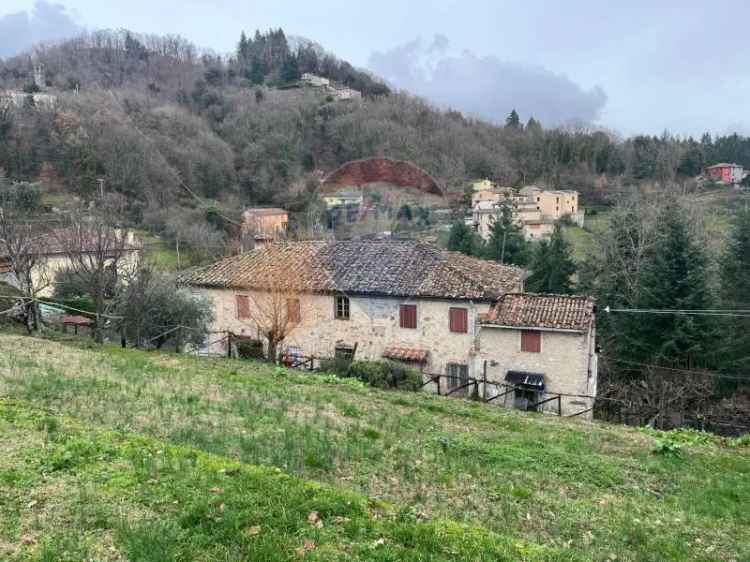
column 22, row 248
column 96, row 248
column 274, row 312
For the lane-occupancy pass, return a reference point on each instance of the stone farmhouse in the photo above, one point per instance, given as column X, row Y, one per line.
column 396, row 299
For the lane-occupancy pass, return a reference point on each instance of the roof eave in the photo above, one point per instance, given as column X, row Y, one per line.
column 539, row 328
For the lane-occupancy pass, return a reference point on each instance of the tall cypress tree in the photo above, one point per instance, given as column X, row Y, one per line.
column 735, row 294
column 674, row 278
column 552, row 266
column 506, row 243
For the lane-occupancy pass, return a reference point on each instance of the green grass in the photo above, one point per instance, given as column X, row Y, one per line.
column 583, row 240
column 118, row 453
column 158, row 251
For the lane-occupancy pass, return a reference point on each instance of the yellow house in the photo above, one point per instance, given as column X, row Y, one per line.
column 483, row 185
column 555, row 204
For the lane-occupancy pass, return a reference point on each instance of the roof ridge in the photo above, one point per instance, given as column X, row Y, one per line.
column 552, row 295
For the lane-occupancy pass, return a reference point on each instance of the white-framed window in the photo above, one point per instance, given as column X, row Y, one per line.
column 341, row 307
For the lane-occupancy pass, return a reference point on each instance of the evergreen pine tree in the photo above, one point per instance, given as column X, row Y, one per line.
column 513, row 121
column 735, row 294
column 461, row 239
column 674, row 278
column 243, row 48
column 552, row 266
column 613, row 275
column 533, row 126
column 257, row 71
column 290, row 69
column 506, row 243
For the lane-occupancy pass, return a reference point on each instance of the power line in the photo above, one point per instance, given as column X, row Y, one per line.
column 682, row 312
column 63, row 306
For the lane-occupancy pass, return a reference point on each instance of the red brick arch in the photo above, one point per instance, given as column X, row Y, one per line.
column 386, row 170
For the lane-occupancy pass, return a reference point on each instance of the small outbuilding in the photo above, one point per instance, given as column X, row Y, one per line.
column 535, row 347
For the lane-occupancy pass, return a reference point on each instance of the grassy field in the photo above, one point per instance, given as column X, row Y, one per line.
column 111, row 454
column 158, row 251
column 583, row 240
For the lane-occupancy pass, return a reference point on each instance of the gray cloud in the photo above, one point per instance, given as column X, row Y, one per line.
column 486, row 86
column 46, row 21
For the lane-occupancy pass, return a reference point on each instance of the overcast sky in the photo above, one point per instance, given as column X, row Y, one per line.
column 641, row 65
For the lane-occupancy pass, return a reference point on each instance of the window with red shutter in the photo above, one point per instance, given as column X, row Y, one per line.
column 531, row 341
column 293, row 313
column 243, row 306
column 459, row 320
column 408, row 316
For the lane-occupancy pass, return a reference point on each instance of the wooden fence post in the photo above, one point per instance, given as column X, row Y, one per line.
column 559, row 406
column 229, row 344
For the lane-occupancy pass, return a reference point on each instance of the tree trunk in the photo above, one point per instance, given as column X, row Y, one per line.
column 272, row 344
column 27, row 317
column 99, row 329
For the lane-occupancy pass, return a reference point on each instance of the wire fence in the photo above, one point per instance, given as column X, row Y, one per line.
column 224, row 343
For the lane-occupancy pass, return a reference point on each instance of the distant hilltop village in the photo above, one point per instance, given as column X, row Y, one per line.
column 339, row 93
column 33, row 94
column 534, row 209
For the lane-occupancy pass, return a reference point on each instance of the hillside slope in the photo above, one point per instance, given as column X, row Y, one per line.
column 149, row 432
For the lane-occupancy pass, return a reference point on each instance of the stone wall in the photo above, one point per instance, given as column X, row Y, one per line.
column 567, row 361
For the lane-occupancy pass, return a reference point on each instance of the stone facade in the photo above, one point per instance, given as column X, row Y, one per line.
column 270, row 222
column 567, row 360
column 373, row 325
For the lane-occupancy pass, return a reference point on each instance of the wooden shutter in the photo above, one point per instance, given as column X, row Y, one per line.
column 459, row 320
column 531, row 341
column 293, row 313
column 243, row 306
column 408, row 316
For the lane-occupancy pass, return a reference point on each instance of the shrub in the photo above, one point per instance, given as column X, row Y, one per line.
column 741, row 441
column 20, row 196
column 380, row 374
column 667, row 446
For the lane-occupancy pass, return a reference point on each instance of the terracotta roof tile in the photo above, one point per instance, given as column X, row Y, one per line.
column 405, row 353
column 403, row 268
column 562, row 312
